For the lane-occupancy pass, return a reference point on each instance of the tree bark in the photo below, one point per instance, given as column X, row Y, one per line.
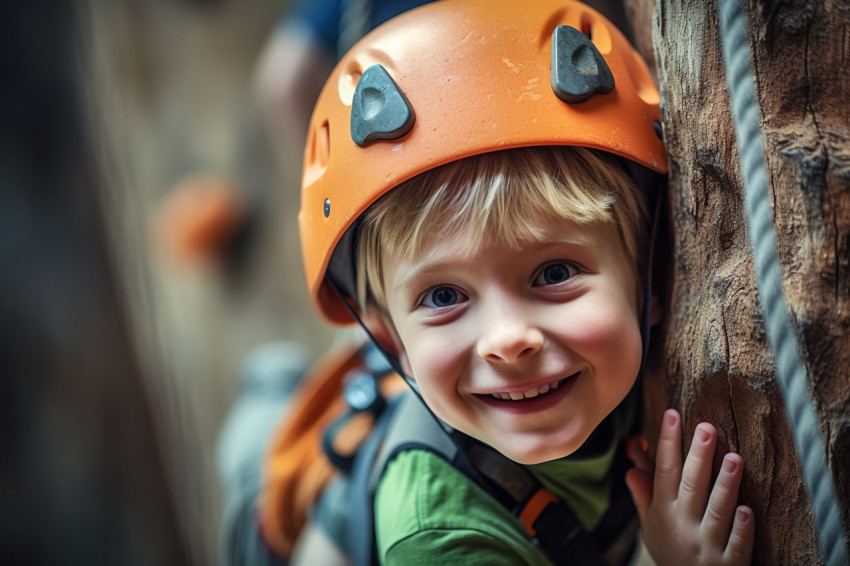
column 718, row 367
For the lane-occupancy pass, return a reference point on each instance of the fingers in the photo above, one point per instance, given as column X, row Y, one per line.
column 724, row 497
column 639, row 483
column 696, row 475
column 668, row 457
column 683, row 512
column 639, row 478
column 740, row 547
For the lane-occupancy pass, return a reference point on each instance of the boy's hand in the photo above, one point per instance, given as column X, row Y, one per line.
column 680, row 522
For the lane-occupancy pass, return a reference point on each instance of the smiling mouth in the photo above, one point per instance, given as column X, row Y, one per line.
column 533, row 392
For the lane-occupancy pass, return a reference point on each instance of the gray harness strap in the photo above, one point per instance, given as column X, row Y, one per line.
column 406, row 424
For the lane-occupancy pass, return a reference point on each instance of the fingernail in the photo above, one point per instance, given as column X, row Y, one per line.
column 730, row 465
column 742, row 516
column 670, row 418
column 702, row 434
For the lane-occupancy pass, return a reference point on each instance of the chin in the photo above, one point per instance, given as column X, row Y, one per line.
column 532, row 459
column 540, row 454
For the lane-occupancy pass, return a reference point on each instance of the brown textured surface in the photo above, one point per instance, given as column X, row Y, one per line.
column 718, row 366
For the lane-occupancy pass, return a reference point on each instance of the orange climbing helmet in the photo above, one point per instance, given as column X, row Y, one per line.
column 457, row 78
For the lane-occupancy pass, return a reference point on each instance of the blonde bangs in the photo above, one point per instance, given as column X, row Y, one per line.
column 500, row 197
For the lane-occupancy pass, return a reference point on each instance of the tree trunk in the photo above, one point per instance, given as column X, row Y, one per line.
column 718, row 365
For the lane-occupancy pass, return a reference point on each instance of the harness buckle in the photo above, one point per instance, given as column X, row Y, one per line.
column 533, row 508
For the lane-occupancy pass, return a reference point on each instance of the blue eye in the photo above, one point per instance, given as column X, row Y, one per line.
column 554, row 273
column 442, row 297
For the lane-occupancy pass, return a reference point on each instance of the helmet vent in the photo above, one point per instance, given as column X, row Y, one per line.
column 578, row 70
column 379, row 111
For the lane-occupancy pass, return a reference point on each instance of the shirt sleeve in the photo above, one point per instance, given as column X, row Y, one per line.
column 320, row 17
column 427, row 512
column 441, row 547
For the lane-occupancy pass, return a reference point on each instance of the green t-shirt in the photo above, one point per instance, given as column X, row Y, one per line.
column 427, row 512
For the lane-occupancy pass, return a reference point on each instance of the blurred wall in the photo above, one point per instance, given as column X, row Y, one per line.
column 82, row 477
column 168, row 86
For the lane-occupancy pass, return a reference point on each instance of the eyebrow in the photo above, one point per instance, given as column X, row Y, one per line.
column 425, row 268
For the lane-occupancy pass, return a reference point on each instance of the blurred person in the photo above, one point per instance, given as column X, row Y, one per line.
column 299, row 56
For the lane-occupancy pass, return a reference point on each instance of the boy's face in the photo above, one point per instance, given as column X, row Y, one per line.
column 526, row 350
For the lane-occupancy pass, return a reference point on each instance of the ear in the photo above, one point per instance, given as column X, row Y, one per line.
column 384, row 333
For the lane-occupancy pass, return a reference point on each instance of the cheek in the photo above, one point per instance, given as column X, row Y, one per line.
column 430, row 358
column 620, row 352
column 436, row 371
column 435, row 359
column 601, row 326
column 610, row 335
column 405, row 363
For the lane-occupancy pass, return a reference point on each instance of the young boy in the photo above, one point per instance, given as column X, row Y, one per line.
column 476, row 191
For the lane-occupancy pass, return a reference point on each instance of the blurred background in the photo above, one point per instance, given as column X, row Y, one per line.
column 148, row 243
column 122, row 336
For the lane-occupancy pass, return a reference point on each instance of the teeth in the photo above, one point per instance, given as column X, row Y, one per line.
column 531, row 393
column 534, row 392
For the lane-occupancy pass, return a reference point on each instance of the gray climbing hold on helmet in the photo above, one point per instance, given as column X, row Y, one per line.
column 578, row 70
column 379, row 110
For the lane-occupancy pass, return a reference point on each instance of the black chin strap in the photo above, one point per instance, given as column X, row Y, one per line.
column 392, row 360
column 646, row 316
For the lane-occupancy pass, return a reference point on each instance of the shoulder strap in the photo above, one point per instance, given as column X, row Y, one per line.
column 361, row 521
column 415, row 429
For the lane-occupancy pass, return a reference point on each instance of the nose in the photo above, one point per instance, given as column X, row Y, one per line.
column 509, row 342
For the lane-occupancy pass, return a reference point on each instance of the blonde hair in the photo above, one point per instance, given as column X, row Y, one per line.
column 497, row 197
